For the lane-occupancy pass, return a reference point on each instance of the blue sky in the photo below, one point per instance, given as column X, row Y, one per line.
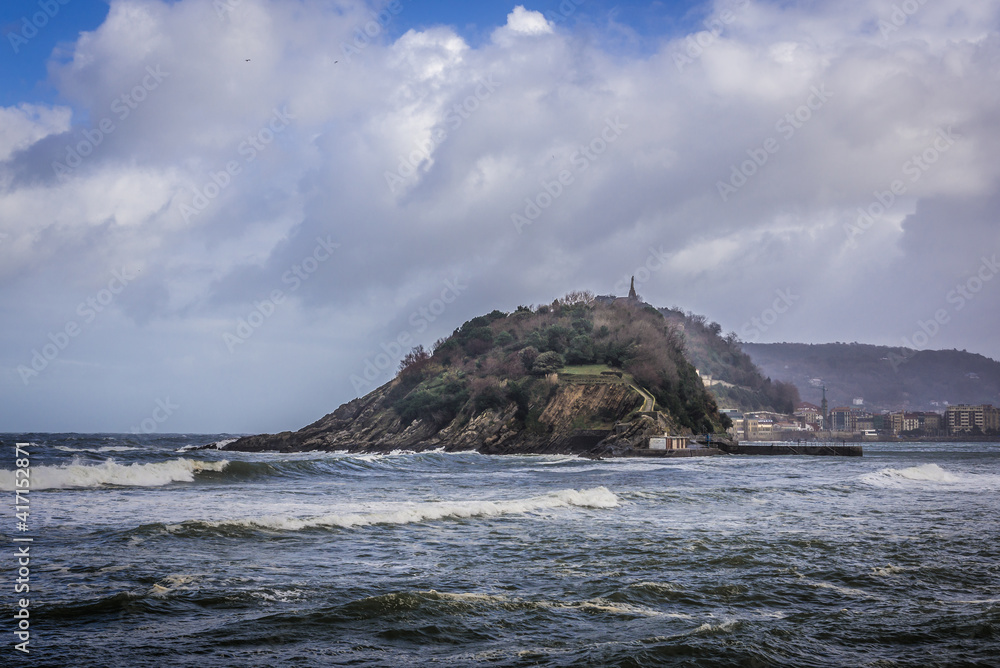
column 25, row 71
column 241, row 214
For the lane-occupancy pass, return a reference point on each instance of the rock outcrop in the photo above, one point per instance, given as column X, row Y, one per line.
column 575, row 418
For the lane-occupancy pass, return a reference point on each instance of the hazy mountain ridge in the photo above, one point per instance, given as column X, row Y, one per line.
column 885, row 377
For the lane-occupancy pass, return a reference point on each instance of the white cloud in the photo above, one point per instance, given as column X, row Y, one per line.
column 528, row 22
column 25, row 124
column 522, row 21
column 478, row 154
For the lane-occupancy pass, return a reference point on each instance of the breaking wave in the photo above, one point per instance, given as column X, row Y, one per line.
column 76, row 474
column 899, row 477
column 215, row 445
column 411, row 513
column 104, row 448
column 931, row 475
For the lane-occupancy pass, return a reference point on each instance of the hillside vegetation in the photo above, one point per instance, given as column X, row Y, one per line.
column 743, row 385
column 500, row 359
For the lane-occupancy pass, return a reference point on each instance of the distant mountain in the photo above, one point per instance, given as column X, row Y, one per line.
column 886, row 378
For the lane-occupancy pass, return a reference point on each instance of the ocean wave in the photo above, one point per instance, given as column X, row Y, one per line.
column 216, row 445
column 930, row 475
column 76, row 474
column 412, row 600
column 103, row 448
column 411, row 513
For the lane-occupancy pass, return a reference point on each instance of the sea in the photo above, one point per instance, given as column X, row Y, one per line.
column 143, row 551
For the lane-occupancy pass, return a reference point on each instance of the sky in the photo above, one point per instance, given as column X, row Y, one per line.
column 235, row 215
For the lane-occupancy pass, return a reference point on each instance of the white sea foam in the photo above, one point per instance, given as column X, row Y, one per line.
column 723, row 627
column 77, row 474
column 846, row 591
column 930, row 475
column 278, row 595
column 409, row 513
column 103, row 448
column 173, row 583
column 591, row 605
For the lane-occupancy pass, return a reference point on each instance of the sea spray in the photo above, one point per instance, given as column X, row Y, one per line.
column 77, row 474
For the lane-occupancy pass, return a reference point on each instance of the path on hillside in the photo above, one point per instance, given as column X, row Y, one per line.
column 648, row 402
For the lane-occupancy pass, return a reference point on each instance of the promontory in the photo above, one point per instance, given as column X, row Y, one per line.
column 583, row 375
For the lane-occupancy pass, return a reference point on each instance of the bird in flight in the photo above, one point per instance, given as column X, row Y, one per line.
column 248, row 60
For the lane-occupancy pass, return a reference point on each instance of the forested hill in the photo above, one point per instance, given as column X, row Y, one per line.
column 564, row 377
column 887, row 378
column 743, row 385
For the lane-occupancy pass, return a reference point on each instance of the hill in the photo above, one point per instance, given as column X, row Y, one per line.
column 736, row 381
column 579, row 375
column 886, row 378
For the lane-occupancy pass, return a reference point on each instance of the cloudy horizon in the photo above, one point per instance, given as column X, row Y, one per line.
column 235, row 215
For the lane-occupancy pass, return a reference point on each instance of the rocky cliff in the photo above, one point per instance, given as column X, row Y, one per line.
column 575, row 418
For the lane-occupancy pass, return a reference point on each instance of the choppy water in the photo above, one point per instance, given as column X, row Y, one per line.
column 149, row 555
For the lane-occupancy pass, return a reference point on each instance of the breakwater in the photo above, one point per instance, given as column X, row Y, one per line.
column 793, row 449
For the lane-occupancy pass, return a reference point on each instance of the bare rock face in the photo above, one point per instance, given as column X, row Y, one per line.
column 573, row 420
column 572, row 401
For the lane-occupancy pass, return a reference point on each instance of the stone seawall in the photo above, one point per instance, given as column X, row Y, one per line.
column 794, row 449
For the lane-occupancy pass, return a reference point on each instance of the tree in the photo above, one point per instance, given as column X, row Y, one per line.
column 528, row 357
column 547, row 363
column 417, row 357
column 581, row 350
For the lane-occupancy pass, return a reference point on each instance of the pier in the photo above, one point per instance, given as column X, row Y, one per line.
column 792, row 449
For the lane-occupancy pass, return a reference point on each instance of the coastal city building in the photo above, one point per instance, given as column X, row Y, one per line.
column 807, row 418
column 808, row 415
column 965, row 419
